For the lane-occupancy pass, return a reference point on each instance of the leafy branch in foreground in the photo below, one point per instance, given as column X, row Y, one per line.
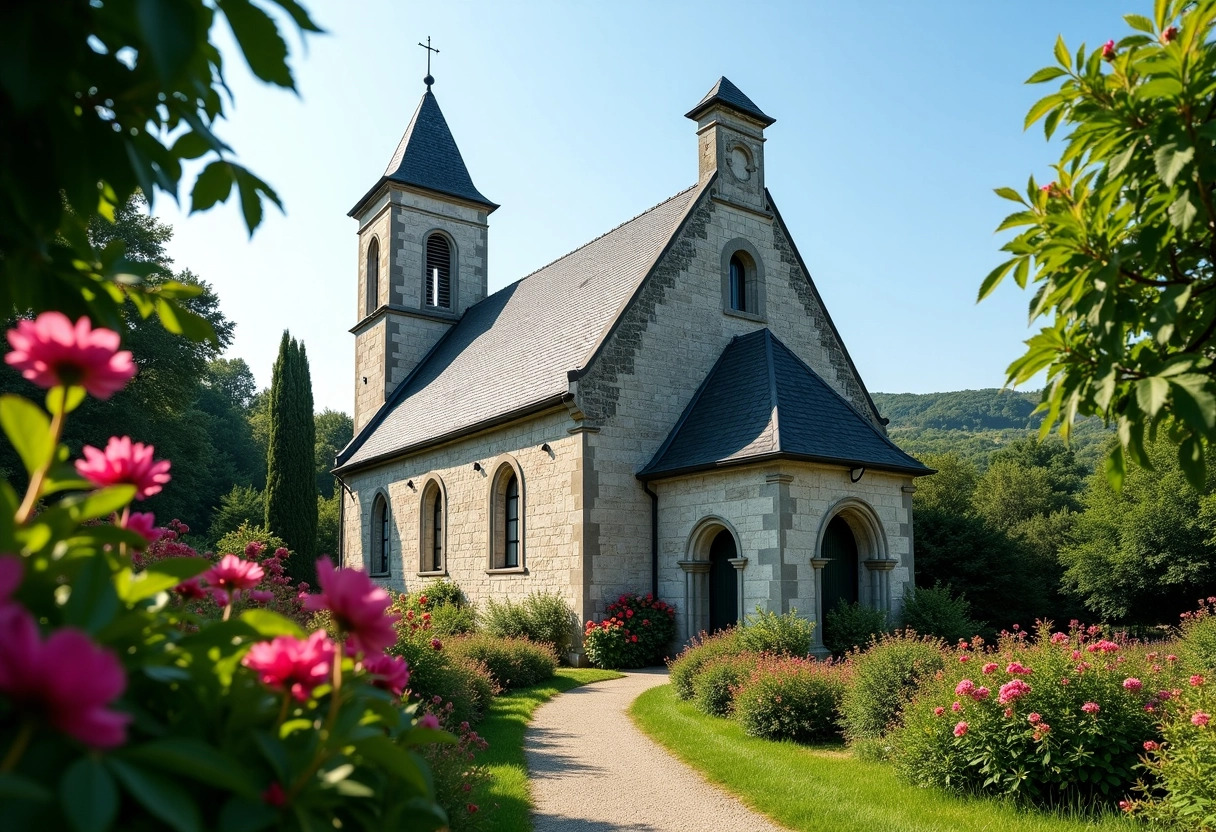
column 1122, row 245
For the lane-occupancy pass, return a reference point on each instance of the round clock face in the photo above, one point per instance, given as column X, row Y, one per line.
column 740, row 163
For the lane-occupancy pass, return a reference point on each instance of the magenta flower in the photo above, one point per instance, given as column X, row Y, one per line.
column 1012, row 690
column 990, row 667
column 67, row 679
column 960, row 729
column 389, row 672
column 939, row 710
column 1200, row 719
column 231, row 575
column 1059, row 638
column 50, row 351
column 359, row 607
column 964, row 688
column 190, row 589
column 1133, row 685
column 1091, row 708
column 1034, row 718
column 980, row 694
column 295, row 665
column 261, row 596
column 429, row 721
column 1196, row 680
column 1018, row 669
column 11, row 569
column 1149, row 745
column 143, row 523
column 1108, row 51
column 124, row 462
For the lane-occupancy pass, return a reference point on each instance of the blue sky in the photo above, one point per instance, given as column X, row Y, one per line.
column 893, row 126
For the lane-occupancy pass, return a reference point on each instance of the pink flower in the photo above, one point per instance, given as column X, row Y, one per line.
column 938, row 711
column 1171, row 658
column 1169, row 34
column 1200, row 719
column 960, row 729
column 1018, row 669
column 964, row 658
column 1012, row 690
column 429, row 721
column 964, row 688
column 67, row 679
column 11, row 569
column 359, row 607
column 389, row 672
column 51, row 351
column 980, row 694
column 1091, row 708
column 1133, row 685
column 1196, row 680
column 231, row 575
column 124, row 462
column 1149, row 745
column 990, row 667
column 1125, row 805
column 190, row 589
column 436, row 644
column 1108, row 51
column 292, row 664
column 274, row 795
column 261, row 596
column 957, row 706
column 1059, row 638
column 143, row 523
column 1104, row 646
column 1034, row 718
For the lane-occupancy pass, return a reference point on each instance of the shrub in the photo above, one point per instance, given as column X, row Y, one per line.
column 768, row 632
column 935, row 612
column 442, row 606
column 683, row 669
column 541, row 617
column 851, row 625
column 1197, row 645
column 512, row 662
column 455, row 774
column 1056, row 719
column 236, row 541
column 719, row 680
column 637, row 633
column 885, row 679
column 790, row 698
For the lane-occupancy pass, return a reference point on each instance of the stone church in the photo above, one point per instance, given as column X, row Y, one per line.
column 667, row 409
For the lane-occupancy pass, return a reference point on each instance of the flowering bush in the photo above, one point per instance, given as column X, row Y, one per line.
column 1059, row 718
column 788, row 698
column 720, row 679
column 442, row 605
column 458, row 777
column 512, row 662
column 638, row 632
column 885, row 679
column 119, row 709
column 684, row 668
column 1197, row 642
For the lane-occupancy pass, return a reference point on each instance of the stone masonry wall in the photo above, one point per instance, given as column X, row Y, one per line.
column 369, row 364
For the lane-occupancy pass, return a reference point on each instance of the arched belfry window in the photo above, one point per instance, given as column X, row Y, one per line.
column 506, row 519
column 372, row 301
column 434, row 529
column 382, row 537
column 738, row 285
column 438, row 272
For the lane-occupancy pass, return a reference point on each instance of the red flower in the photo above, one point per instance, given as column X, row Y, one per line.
column 471, row 808
column 1108, row 51
column 1196, row 680
column 1149, row 745
column 124, row 463
column 359, row 607
column 1169, row 34
column 51, row 351
column 1133, row 685
column 436, row 644
column 960, row 729
column 274, row 795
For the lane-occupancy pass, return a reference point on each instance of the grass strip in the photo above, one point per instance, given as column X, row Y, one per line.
column 827, row 789
column 506, row 801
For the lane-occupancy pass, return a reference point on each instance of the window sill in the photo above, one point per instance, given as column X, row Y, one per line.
column 747, row 316
column 379, row 574
column 440, row 573
column 508, row 570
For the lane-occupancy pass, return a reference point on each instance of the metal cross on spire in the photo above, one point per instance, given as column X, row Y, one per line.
column 428, row 80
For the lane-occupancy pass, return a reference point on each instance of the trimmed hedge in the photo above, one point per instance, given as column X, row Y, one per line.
column 511, row 662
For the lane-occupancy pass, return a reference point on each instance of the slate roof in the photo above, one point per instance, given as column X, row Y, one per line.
column 762, row 401
column 512, row 351
column 427, row 157
column 727, row 93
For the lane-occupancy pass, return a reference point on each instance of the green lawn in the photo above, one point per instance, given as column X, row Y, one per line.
column 827, row 789
column 506, row 802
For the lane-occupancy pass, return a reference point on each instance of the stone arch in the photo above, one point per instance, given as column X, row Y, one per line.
column 713, row 576
column 753, row 264
column 378, row 558
column 874, row 561
column 498, row 509
column 371, row 300
column 432, row 523
column 453, row 268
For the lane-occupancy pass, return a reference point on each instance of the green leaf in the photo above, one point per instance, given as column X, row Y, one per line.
column 162, row 797
column 88, row 795
column 1010, row 194
column 1047, row 73
column 1159, row 9
column 1062, row 53
column 994, row 278
column 244, row 815
column 170, row 34
column 299, row 15
column 98, row 503
column 158, row 577
column 191, row 146
column 1182, row 212
column 28, row 429
column 64, row 399
column 388, row 755
column 197, row 760
column 252, row 190
column 20, row 787
column 181, row 321
column 1190, row 457
column 1116, row 468
column 1139, row 22
column 1041, row 107
column 213, row 185
column 1170, row 160
column 268, row 623
column 1121, row 160
column 1152, row 394
column 93, row 602
column 1194, row 402
column 263, row 47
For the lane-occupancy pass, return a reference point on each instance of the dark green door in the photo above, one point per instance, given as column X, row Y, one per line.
column 840, row 575
column 723, row 583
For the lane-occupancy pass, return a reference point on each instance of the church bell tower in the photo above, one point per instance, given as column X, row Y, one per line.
column 423, row 230
column 730, row 136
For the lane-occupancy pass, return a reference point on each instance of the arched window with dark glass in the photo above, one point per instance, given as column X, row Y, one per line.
column 512, row 516
column 438, row 272
column 738, row 284
column 382, row 538
column 433, row 541
column 372, row 301
column 506, row 519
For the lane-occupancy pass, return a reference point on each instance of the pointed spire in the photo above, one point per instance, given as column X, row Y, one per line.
column 726, row 93
column 427, row 157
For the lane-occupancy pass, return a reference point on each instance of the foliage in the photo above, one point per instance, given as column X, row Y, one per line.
column 638, row 632
column 334, row 430
column 1057, row 719
column 239, row 538
column 850, row 625
column 123, row 709
column 685, row 667
column 787, row 634
column 328, row 519
column 541, row 617
column 441, row 606
column 458, row 776
column 720, row 679
column 511, row 662
column 885, row 678
column 291, row 498
column 790, row 698
column 1197, row 644
column 936, row 612
column 1144, row 553
column 1121, row 244
column 100, row 101
column 242, row 506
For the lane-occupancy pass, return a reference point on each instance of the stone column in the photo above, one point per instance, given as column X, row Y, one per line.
column 739, row 563
column 695, row 577
column 817, row 646
column 880, row 581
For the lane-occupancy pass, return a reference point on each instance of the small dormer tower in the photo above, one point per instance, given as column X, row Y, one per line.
column 730, row 132
column 423, row 232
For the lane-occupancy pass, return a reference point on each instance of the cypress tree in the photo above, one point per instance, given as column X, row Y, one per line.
column 291, row 487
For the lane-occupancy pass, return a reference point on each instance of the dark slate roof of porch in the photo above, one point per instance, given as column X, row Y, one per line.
column 761, row 401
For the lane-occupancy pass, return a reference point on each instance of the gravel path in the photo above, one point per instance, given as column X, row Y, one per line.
column 591, row 770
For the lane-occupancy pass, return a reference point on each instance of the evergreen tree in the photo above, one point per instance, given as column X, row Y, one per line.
column 291, row 487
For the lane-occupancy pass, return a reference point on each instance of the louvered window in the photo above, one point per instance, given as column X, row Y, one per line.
column 438, row 272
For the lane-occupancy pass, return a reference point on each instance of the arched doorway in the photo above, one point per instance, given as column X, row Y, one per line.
column 840, row 574
column 723, row 582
